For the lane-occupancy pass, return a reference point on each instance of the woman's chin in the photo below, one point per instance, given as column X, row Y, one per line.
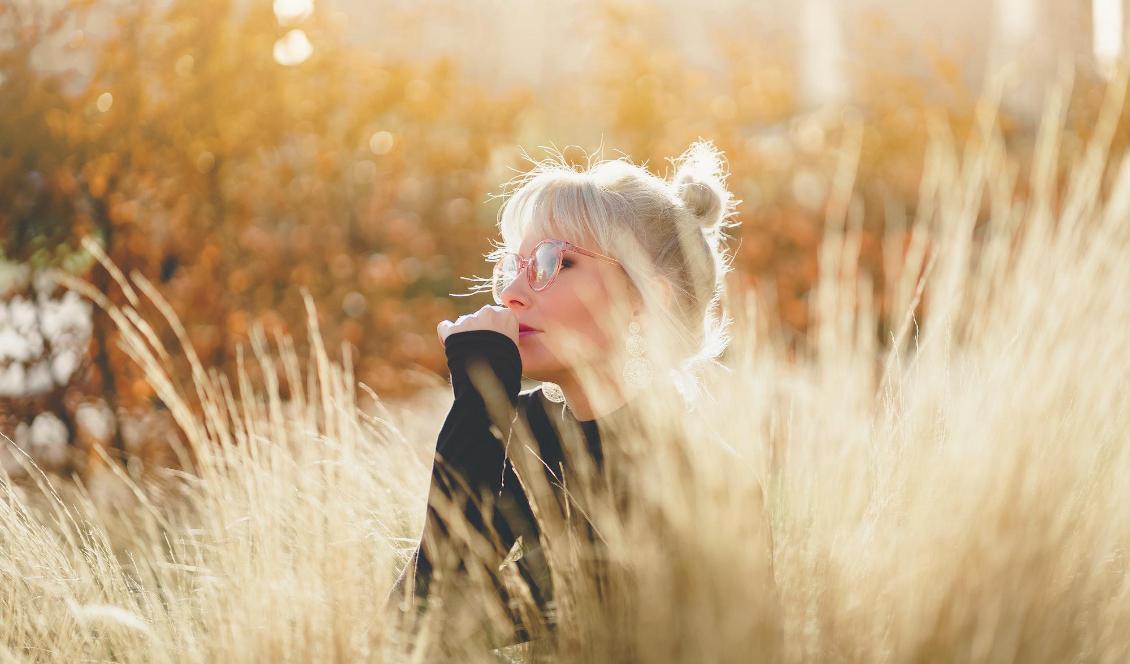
column 531, row 368
column 536, row 366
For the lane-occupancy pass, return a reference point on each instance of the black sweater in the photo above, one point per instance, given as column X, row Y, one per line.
column 469, row 452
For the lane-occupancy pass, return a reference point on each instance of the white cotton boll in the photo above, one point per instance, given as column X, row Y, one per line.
column 39, row 379
column 51, row 320
column 49, row 440
column 23, row 436
column 63, row 365
column 12, row 380
column 22, row 313
column 33, row 345
column 51, row 456
column 3, row 314
column 47, row 429
column 84, row 320
column 96, row 421
column 15, row 347
column 69, row 315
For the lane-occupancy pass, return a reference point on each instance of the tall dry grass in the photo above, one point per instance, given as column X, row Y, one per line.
column 955, row 493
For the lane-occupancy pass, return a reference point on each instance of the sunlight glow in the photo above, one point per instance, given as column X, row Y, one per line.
column 822, row 76
column 1016, row 20
column 1107, row 28
column 293, row 49
column 293, row 11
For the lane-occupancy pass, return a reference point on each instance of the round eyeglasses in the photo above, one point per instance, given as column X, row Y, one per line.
column 542, row 267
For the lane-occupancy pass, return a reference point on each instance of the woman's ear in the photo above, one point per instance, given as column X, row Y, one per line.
column 662, row 289
column 666, row 293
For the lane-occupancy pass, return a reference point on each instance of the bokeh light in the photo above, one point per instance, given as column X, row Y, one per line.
column 293, row 11
column 293, row 48
column 381, row 142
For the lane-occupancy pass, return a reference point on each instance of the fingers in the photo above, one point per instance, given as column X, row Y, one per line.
column 488, row 317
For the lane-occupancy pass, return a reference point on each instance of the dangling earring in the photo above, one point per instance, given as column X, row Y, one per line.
column 552, row 391
column 637, row 369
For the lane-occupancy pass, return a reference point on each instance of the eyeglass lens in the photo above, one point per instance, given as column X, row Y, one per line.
column 547, row 258
column 544, row 265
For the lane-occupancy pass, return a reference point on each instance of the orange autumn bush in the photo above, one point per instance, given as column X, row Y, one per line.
column 234, row 182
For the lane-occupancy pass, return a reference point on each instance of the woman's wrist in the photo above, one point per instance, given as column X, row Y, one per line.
column 498, row 350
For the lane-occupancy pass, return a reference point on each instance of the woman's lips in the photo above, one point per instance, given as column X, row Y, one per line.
column 526, row 330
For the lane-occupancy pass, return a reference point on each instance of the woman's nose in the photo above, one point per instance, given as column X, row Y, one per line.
column 516, row 295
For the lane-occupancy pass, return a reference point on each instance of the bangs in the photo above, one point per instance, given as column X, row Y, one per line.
column 552, row 205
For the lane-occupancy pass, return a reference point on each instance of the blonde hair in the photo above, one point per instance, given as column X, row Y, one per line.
column 672, row 229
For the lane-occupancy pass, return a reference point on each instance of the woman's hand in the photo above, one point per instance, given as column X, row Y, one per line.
column 490, row 317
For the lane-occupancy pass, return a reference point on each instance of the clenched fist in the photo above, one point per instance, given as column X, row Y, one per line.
column 490, row 317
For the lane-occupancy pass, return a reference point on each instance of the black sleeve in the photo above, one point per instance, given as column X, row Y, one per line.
column 468, row 454
column 466, row 438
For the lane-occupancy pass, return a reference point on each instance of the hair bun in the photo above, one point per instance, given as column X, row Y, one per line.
column 698, row 182
column 703, row 202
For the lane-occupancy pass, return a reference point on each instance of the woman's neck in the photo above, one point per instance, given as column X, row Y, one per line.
column 584, row 407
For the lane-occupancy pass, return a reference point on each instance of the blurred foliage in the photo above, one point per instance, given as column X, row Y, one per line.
column 234, row 182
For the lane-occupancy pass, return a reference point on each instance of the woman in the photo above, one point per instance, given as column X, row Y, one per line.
column 608, row 283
